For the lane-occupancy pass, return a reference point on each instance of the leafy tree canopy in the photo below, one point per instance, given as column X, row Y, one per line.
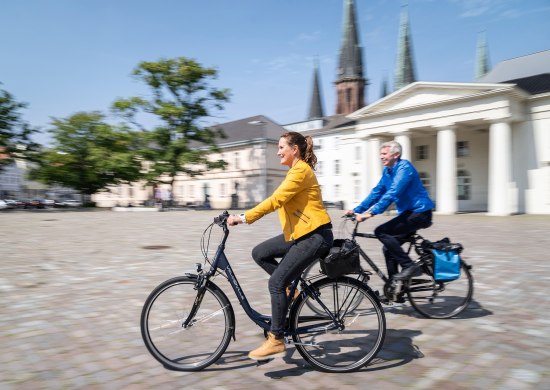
column 15, row 134
column 88, row 154
column 181, row 98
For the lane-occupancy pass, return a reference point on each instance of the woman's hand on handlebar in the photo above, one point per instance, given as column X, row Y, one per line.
column 233, row 220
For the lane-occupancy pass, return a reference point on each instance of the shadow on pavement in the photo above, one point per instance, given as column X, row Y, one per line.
column 474, row 310
column 398, row 349
column 232, row 360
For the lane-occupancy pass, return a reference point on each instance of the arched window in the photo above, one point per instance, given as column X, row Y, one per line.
column 464, row 184
column 425, row 179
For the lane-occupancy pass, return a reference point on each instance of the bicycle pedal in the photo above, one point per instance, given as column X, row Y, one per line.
column 262, row 362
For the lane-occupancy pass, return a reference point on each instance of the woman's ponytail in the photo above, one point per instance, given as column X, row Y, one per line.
column 309, row 156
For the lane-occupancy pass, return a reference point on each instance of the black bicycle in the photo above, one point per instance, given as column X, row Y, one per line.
column 187, row 322
column 431, row 298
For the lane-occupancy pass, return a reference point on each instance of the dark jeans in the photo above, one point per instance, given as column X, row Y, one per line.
column 296, row 257
column 391, row 233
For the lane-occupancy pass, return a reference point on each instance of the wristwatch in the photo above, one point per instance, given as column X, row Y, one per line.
column 243, row 218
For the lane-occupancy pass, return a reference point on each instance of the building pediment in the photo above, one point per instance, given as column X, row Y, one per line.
column 424, row 94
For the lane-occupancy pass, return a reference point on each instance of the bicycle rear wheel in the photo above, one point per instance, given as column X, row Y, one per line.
column 348, row 345
column 202, row 341
column 434, row 299
column 314, row 271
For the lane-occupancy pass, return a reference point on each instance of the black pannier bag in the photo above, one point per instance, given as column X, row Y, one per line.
column 343, row 258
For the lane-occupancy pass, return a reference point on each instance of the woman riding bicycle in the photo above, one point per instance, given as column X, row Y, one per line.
column 307, row 232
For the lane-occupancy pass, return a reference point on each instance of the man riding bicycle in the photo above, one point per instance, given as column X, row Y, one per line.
column 400, row 184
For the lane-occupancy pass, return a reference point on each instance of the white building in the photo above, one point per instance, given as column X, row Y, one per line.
column 481, row 146
column 252, row 173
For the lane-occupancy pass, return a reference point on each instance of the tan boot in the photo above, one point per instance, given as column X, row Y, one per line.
column 296, row 294
column 271, row 348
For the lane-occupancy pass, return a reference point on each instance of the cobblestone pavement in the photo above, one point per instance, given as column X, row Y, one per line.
column 72, row 284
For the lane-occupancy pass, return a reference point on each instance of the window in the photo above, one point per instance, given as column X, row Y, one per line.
column 422, row 152
column 337, row 192
column 357, row 153
column 464, row 182
column 426, row 182
column 357, row 189
column 222, row 189
column 336, row 167
column 236, row 159
column 318, row 144
column 462, row 149
column 319, row 168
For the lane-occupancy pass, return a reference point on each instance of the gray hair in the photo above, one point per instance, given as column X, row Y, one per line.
column 395, row 147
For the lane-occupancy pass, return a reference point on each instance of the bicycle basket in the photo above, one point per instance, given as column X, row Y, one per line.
column 343, row 258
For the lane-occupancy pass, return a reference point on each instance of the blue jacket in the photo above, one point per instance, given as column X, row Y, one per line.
column 400, row 184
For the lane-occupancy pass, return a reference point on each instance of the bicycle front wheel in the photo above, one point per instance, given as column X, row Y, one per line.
column 348, row 343
column 435, row 299
column 196, row 345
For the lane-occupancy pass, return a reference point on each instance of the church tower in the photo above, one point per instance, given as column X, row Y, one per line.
column 316, row 105
column 482, row 57
column 404, row 67
column 350, row 83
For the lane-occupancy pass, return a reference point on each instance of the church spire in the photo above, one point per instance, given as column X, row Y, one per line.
column 350, row 85
column 404, row 68
column 482, row 56
column 384, row 89
column 316, row 106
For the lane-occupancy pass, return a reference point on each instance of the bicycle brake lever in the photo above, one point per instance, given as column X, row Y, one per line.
column 221, row 219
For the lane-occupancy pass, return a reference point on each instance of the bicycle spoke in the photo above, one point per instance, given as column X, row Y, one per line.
column 346, row 343
column 169, row 341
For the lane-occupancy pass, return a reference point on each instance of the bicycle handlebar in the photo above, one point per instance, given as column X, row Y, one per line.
column 221, row 219
column 350, row 217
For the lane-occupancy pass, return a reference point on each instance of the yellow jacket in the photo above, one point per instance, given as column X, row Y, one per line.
column 299, row 201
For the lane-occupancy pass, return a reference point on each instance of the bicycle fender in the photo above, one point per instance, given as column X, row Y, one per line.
column 215, row 287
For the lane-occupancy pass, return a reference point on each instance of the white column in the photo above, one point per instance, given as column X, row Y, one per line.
column 405, row 141
column 374, row 164
column 446, row 202
column 500, row 169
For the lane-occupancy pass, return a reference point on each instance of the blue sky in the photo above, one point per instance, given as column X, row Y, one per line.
column 65, row 56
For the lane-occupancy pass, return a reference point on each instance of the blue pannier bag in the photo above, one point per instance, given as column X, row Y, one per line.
column 446, row 256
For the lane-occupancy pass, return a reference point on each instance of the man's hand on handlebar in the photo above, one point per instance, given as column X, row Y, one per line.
column 363, row 217
column 358, row 217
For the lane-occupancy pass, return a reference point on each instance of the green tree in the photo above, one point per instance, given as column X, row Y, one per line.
column 88, row 154
column 181, row 98
column 15, row 134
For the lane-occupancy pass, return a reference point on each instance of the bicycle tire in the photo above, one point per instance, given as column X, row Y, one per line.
column 203, row 341
column 314, row 271
column 439, row 300
column 345, row 349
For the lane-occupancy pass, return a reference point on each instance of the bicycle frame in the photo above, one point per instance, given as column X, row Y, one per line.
column 221, row 262
column 371, row 263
